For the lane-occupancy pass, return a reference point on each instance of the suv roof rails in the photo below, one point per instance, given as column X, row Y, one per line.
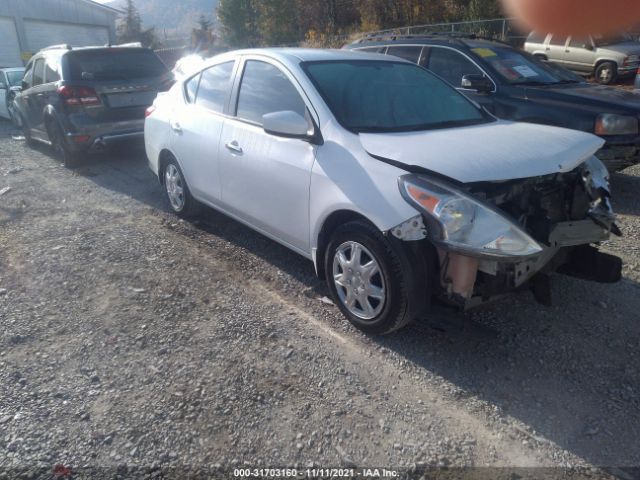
column 452, row 36
column 62, row 46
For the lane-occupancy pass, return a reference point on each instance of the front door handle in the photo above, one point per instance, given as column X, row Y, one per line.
column 233, row 146
column 175, row 126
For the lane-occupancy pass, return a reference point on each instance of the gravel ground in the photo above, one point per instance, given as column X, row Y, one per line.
column 137, row 344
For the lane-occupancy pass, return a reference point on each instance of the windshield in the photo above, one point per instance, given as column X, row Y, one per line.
column 115, row 64
column 384, row 96
column 15, row 77
column 611, row 39
column 518, row 68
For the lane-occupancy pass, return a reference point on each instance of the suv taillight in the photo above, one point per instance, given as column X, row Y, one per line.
column 79, row 96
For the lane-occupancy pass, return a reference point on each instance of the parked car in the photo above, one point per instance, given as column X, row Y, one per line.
column 606, row 57
column 514, row 85
column 396, row 186
column 9, row 79
column 84, row 99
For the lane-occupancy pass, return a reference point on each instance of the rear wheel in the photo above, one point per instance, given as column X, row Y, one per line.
column 606, row 73
column 366, row 278
column 60, row 148
column 177, row 191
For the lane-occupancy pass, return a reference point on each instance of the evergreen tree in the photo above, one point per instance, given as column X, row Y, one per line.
column 130, row 28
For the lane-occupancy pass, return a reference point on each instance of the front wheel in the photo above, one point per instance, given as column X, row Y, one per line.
column 366, row 278
column 606, row 73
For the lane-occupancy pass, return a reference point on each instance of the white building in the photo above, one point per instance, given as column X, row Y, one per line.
column 26, row 26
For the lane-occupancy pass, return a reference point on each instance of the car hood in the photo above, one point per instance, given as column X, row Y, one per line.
column 599, row 95
column 490, row 152
column 624, row 47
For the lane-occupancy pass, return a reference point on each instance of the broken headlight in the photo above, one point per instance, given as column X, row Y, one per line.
column 459, row 222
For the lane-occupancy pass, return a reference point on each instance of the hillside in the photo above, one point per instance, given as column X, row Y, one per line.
column 174, row 17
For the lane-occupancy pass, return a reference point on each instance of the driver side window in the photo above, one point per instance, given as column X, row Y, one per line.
column 3, row 81
column 266, row 89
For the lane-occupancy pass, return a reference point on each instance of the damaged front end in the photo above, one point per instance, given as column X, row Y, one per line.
column 495, row 237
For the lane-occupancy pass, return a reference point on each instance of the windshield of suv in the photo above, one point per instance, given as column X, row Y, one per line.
column 611, row 39
column 15, row 77
column 114, row 64
column 384, row 96
column 520, row 68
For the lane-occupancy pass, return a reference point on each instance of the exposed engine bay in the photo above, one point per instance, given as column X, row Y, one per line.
column 566, row 213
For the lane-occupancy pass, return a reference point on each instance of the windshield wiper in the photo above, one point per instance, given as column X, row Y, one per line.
column 533, row 82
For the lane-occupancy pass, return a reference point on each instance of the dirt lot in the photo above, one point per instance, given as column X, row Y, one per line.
column 134, row 342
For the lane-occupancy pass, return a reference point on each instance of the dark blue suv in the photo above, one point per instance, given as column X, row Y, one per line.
column 513, row 85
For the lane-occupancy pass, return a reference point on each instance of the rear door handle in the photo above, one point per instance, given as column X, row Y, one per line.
column 233, row 146
column 175, row 126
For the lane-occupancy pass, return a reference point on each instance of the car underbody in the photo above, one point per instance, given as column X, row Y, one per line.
column 568, row 214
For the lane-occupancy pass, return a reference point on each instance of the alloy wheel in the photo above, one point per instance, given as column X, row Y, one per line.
column 175, row 187
column 358, row 280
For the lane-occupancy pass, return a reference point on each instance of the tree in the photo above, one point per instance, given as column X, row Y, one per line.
column 130, row 28
column 202, row 37
column 238, row 19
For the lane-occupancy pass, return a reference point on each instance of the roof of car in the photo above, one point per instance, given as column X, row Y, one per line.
column 312, row 54
column 12, row 69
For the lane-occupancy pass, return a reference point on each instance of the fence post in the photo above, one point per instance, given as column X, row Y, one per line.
column 504, row 30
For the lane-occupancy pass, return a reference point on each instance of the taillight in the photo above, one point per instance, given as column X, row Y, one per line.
column 149, row 111
column 86, row 96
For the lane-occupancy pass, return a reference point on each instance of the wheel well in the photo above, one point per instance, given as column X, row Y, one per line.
column 600, row 62
column 541, row 56
column 163, row 159
column 333, row 221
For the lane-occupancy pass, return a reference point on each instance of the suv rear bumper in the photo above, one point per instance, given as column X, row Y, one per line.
column 87, row 136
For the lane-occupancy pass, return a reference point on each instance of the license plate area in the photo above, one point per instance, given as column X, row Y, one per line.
column 133, row 99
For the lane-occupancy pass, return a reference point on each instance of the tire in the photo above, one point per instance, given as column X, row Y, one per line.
column 388, row 308
column 14, row 116
column 26, row 132
column 606, row 73
column 61, row 150
column 177, row 192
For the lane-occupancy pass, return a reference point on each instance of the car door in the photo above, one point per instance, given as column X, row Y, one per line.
column 34, row 100
column 580, row 54
column 4, row 90
column 196, row 126
column 451, row 65
column 556, row 49
column 266, row 178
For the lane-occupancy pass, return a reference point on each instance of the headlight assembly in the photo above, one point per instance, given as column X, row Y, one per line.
column 612, row 124
column 459, row 222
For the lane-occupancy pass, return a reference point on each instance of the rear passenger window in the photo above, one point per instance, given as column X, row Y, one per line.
column 265, row 89
column 451, row 65
column 535, row 37
column 408, row 53
column 38, row 72
column 51, row 70
column 558, row 40
column 214, row 87
column 372, row 49
column 191, row 87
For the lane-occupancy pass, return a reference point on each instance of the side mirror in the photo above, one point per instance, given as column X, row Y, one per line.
column 286, row 124
column 479, row 83
column 23, row 85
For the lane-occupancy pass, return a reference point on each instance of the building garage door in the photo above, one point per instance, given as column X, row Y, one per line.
column 9, row 46
column 43, row 34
